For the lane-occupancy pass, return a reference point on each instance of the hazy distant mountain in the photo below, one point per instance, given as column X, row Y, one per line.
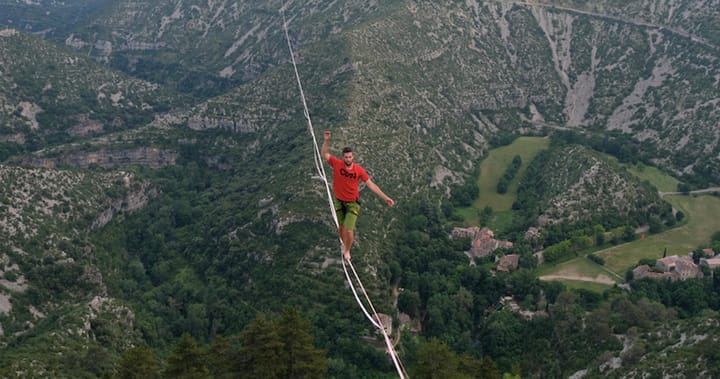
column 48, row 17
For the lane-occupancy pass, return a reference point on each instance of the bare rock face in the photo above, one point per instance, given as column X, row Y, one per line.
column 135, row 199
column 145, row 156
column 237, row 126
column 18, row 138
column 86, row 126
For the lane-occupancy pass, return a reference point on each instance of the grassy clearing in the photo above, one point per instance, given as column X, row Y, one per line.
column 579, row 273
column 701, row 212
column 661, row 180
column 581, row 269
column 492, row 169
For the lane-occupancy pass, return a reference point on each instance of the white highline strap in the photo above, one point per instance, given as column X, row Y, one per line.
column 321, row 172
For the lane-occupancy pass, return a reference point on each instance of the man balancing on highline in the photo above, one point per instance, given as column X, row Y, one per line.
column 346, row 186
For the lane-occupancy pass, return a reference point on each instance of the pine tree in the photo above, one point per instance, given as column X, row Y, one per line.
column 138, row 363
column 187, row 360
column 220, row 358
column 435, row 361
column 302, row 359
column 261, row 350
column 479, row 369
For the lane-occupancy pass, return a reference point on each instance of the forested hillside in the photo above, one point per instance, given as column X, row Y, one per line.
column 51, row 96
column 159, row 199
column 572, row 184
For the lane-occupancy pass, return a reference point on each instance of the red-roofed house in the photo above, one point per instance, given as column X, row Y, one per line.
column 508, row 262
column 483, row 240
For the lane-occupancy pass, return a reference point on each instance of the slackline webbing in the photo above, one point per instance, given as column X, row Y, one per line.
column 374, row 319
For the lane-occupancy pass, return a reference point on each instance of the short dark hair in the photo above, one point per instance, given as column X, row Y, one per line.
column 347, row 149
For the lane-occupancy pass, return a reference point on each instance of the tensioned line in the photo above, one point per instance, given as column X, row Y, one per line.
column 374, row 319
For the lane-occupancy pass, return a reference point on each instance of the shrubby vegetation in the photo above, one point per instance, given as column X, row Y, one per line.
column 541, row 184
column 188, row 286
column 579, row 324
column 266, row 348
column 629, row 150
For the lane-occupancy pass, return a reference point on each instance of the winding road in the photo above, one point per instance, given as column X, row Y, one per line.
column 705, row 190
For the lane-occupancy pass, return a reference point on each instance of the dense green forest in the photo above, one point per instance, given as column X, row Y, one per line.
column 194, row 288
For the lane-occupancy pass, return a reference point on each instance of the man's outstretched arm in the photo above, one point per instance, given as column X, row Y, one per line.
column 374, row 187
column 325, row 146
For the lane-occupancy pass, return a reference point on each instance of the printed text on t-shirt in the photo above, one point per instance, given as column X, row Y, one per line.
column 348, row 174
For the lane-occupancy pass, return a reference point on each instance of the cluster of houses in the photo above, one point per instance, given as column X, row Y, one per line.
column 678, row 267
column 484, row 243
column 483, row 240
column 675, row 267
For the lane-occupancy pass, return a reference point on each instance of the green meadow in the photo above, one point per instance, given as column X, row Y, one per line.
column 492, row 169
column 585, row 285
column 702, row 221
column 580, row 270
column 661, row 180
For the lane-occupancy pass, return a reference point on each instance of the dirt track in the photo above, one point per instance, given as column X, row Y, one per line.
column 598, row 279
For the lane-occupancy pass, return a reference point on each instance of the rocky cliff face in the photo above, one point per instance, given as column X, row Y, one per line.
column 145, row 156
column 38, row 200
column 442, row 78
column 137, row 196
column 50, row 96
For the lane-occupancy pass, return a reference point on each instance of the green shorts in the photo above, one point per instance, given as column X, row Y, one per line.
column 347, row 213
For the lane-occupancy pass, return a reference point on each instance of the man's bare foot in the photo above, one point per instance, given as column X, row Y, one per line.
column 346, row 254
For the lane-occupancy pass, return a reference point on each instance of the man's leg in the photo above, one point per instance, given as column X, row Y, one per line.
column 347, row 238
column 340, row 211
column 347, row 230
column 341, row 232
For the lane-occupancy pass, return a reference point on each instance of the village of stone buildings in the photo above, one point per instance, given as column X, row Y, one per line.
column 674, row 267
column 678, row 267
column 483, row 243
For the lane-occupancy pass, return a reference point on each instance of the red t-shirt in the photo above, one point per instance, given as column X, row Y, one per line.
column 346, row 183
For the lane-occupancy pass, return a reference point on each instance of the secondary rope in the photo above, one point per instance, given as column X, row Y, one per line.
column 374, row 319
